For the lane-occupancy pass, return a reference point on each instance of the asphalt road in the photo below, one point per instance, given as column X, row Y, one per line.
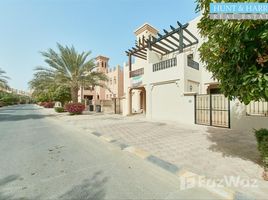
column 41, row 158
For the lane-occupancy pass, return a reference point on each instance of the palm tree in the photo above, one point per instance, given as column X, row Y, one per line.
column 3, row 79
column 67, row 68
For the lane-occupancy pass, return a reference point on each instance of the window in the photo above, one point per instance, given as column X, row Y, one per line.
column 190, row 56
column 192, row 86
column 191, row 63
column 114, row 80
column 111, row 81
column 101, row 63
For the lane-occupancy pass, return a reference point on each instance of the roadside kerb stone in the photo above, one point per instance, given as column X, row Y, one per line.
column 107, row 138
column 138, row 152
column 96, row 133
column 120, row 144
column 128, row 138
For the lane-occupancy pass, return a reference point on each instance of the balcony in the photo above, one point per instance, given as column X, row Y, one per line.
column 136, row 72
column 193, row 64
column 165, row 64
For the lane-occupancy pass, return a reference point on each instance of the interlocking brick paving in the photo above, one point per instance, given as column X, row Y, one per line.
column 209, row 151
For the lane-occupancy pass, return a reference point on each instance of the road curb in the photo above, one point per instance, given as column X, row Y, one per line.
column 222, row 192
column 107, row 138
column 138, row 152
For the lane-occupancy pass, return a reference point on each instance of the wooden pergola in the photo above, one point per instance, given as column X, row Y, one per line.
column 175, row 40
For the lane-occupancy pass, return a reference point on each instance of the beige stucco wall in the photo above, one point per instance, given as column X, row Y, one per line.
column 136, row 104
column 240, row 121
column 115, row 83
column 168, row 102
column 114, row 89
column 167, row 91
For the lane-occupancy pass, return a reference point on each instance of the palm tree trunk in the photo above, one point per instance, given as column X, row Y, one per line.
column 74, row 94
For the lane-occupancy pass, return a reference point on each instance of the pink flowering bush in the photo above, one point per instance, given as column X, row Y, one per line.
column 75, row 108
column 42, row 103
column 49, row 105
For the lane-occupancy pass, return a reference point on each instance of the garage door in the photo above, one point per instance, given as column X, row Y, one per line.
column 165, row 101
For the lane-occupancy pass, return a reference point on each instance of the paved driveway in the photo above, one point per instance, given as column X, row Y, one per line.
column 44, row 158
column 213, row 152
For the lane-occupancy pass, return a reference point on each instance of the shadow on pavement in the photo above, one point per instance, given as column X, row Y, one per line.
column 4, row 185
column 232, row 143
column 20, row 107
column 8, row 179
column 10, row 117
column 90, row 189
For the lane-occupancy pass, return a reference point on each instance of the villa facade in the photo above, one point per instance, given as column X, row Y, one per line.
column 114, row 86
column 165, row 80
column 16, row 91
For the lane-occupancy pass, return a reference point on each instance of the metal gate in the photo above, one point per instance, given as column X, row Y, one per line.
column 117, row 106
column 212, row 110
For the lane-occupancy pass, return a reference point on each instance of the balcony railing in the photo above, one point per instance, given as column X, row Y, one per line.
column 191, row 63
column 136, row 72
column 165, row 64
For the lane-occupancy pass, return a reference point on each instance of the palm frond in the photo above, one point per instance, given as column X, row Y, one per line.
column 3, row 79
column 67, row 68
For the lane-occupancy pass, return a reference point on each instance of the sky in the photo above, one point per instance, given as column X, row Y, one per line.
column 104, row 27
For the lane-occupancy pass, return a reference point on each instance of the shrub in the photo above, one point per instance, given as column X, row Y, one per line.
column 59, row 109
column 49, row 105
column 262, row 140
column 75, row 108
column 9, row 99
column 42, row 103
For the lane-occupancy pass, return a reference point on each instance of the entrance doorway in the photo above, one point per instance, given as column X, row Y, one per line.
column 137, row 101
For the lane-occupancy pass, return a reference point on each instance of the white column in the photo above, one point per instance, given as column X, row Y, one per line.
column 128, row 103
column 138, row 100
column 149, row 89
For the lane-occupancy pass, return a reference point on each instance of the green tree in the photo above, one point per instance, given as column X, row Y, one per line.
column 236, row 52
column 51, row 92
column 42, row 96
column 3, row 79
column 62, row 94
column 67, row 68
column 43, row 87
column 9, row 98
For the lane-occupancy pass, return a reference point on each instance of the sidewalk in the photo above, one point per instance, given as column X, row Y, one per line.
column 213, row 152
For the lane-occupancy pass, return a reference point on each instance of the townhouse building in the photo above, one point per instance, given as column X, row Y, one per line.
column 114, row 85
column 164, row 79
